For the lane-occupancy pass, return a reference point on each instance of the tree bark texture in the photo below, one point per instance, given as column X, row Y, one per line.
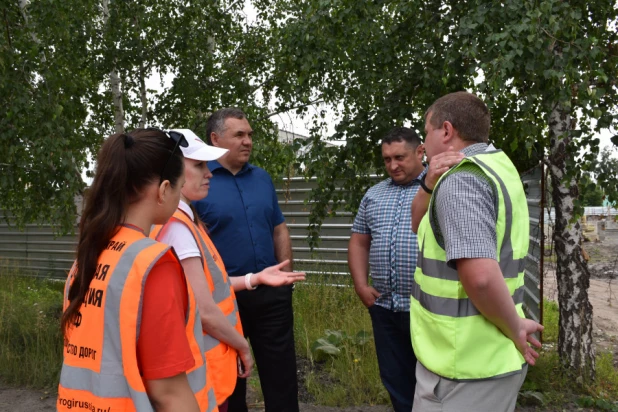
column 143, row 97
column 573, row 277
column 23, row 4
column 114, row 80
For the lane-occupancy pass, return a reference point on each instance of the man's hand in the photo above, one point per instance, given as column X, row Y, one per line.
column 526, row 330
column 367, row 295
column 440, row 164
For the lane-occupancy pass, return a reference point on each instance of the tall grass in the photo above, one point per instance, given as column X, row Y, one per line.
column 351, row 377
column 557, row 385
column 30, row 338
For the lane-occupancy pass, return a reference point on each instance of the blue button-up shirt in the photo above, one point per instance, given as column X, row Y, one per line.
column 240, row 213
column 384, row 213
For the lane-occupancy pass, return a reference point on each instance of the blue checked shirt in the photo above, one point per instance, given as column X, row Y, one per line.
column 384, row 213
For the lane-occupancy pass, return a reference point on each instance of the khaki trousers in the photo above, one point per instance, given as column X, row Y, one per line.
column 437, row 394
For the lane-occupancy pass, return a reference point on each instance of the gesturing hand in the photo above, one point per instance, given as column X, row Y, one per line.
column 274, row 276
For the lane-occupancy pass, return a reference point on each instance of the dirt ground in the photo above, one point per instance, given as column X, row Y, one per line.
column 603, row 294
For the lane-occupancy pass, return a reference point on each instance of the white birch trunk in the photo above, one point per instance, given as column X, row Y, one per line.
column 142, row 90
column 575, row 325
column 22, row 7
column 115, row 82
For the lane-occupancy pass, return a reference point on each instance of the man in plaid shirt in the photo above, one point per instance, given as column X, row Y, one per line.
column 382, row 240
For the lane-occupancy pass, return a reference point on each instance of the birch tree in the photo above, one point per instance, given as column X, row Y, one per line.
column 547, row 70
column 45, row 80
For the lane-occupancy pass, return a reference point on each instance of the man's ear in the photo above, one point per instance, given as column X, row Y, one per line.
column 449, row 132
column 420, row 151
column 214, row 138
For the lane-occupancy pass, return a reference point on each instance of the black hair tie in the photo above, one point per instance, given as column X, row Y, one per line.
column 128, row 140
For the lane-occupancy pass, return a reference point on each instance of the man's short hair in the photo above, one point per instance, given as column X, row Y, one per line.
column 402, row 134
column 216, row 121
column 466, row 112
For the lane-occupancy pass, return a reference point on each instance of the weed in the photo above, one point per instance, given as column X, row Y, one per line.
column 556, row 385
column 550, row 321
column 332, row 318
column 30, row 338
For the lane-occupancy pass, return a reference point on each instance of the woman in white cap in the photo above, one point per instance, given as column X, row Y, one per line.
column 227, row 351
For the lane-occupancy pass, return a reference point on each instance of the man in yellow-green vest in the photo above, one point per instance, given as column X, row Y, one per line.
column 468, row 329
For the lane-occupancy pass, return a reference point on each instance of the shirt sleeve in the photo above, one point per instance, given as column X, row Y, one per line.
column 163, row 349
column 360, row 221
column 277, row 217
column 179, row 236
column 467, row 214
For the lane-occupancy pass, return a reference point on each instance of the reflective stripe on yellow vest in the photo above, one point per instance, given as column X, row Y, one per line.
column 449, row 335
column 100, row 370
column 221, row 358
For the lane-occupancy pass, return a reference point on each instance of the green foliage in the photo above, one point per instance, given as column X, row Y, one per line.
column 336, row 317
column 334, row 341
column 381, row 64
column 548, row 383
column 600, row 404
column 606, row 171
column 45, row 79
column 550, row 321
column 592, row 195
column 55, row 94
column 30, row 337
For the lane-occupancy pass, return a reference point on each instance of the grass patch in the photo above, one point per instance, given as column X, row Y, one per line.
column 351, row 376
column 557, row 386
column 550, row 321
column 30, row 338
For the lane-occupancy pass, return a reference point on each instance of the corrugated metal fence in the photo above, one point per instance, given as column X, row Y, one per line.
column 38, row 251
column 533, row 270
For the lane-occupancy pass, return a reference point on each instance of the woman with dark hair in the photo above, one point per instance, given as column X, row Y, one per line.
column 133, row 339
column 227, row 351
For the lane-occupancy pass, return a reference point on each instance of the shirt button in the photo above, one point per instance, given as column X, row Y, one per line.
column 247, row 207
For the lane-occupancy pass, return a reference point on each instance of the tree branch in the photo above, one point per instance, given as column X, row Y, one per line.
column 8, row 31
column 290, row 109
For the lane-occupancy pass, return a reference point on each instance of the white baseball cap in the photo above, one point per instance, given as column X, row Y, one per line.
column 197, row 149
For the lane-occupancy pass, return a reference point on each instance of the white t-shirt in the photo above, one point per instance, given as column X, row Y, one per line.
column 179, row 236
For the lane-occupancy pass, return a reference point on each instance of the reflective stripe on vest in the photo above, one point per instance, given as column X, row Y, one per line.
column 449, row 335
column 221, row 358
column 100, row 364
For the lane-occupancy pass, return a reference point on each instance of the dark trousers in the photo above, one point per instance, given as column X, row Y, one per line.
column 391, row 332
column 268, row 322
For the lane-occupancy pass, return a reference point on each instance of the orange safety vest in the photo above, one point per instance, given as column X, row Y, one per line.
column 100, row 370
column 221, row 358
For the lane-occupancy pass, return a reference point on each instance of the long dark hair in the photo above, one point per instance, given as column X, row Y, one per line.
column 126, row 164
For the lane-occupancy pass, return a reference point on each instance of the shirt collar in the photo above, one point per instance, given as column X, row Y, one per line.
column 476, row 148
column 215, row 165
column 186, row 208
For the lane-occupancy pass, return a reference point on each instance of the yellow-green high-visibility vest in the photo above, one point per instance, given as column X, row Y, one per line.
column 449, row 335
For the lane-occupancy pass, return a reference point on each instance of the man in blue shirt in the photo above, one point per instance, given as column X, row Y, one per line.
column 245, row 223
column 382, row 240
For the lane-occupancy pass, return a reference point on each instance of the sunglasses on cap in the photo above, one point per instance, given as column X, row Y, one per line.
column 177, row 137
